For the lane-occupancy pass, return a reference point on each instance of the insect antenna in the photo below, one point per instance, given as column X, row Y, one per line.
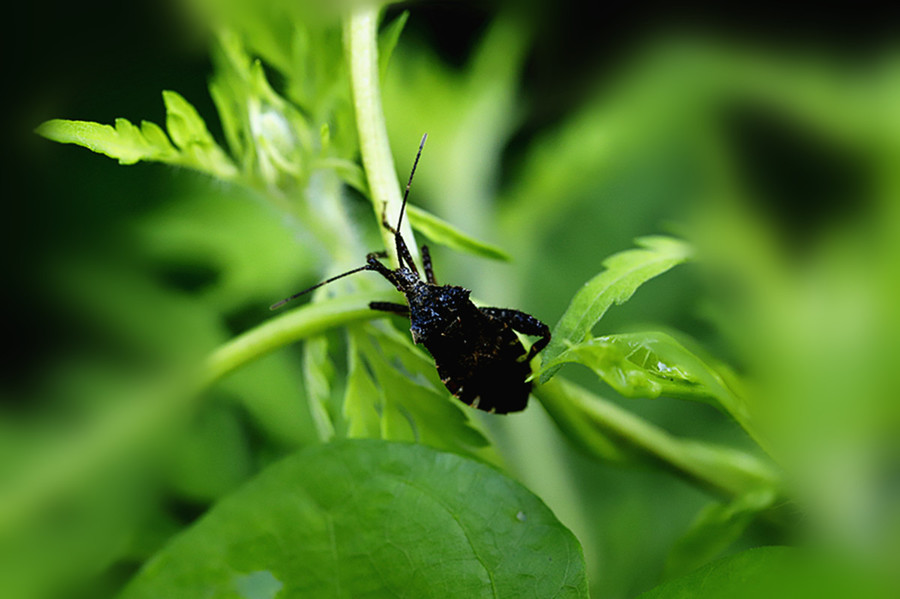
column 409, row 182
column 277, row 305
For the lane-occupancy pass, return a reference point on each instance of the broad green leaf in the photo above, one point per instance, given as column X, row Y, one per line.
column 189, row 132
column 442, row 232
column 625, row 272
column 366, row 518
column 125, row 142
column 772, row 572
column 387, row 41
column 716, row 527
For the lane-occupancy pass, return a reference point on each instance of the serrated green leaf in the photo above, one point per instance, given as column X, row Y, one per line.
column 366, row 518
column 188, row 131
column 646, row 365
column 716, row 527
column 441, row 232
column 624, row 273
column 318, row 373
column 414, row 403
column 229, row 115
column 184, row 123
column 388, row 39
column 359, row 397
column 129, row 144
column 125, row 142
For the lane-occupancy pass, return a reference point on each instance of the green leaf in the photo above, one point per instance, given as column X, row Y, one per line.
column 360, row 396
column 414, row 405
column 716, row 527
column 625, row 272
column 388, row 39
column 368, row 518
column 646, row 365
column 772, row 572
column 189, row 132
column 318, row 373
column 126, row 142
column 129, row 144
column 442, row 232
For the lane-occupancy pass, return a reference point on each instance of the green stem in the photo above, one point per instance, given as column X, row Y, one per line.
column 361, row 45
column 608, row 432
column 308, row 321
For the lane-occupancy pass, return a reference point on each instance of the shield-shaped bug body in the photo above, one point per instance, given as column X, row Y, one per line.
column 476, row 351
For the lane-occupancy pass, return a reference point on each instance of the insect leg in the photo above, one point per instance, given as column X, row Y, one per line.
column 524, row 323
column 426, row 262
column 372, row 263
column 401, row 309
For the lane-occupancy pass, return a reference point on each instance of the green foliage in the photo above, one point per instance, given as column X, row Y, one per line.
column 412, row 404
column 806, row 317
column 625, row 272
column 650, row 365
column 127, row 143
column 196, row 148
column 358, row 518
column 716, row 528
column 778, row 572
column 443, row 233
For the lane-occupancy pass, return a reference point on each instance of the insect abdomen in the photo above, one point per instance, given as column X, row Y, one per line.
column 483, row 365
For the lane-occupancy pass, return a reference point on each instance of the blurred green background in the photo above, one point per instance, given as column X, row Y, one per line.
column 768, row 136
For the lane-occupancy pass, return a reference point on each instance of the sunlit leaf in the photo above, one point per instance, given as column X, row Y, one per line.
column 625, row 272
column 125, row 142
column 442, row 232
column 189, row 132
column 370, row 518
column 196, row 148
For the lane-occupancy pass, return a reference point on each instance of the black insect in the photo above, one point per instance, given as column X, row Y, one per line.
column 478, row 356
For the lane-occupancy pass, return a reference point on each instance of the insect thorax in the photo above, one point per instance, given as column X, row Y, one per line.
column 435, row 309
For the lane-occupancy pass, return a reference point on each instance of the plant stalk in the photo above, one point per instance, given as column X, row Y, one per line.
column 361, row 47
column 608, row 432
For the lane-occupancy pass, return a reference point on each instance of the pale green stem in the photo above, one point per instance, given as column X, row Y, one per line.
column 361, row 46
column 608, row 432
